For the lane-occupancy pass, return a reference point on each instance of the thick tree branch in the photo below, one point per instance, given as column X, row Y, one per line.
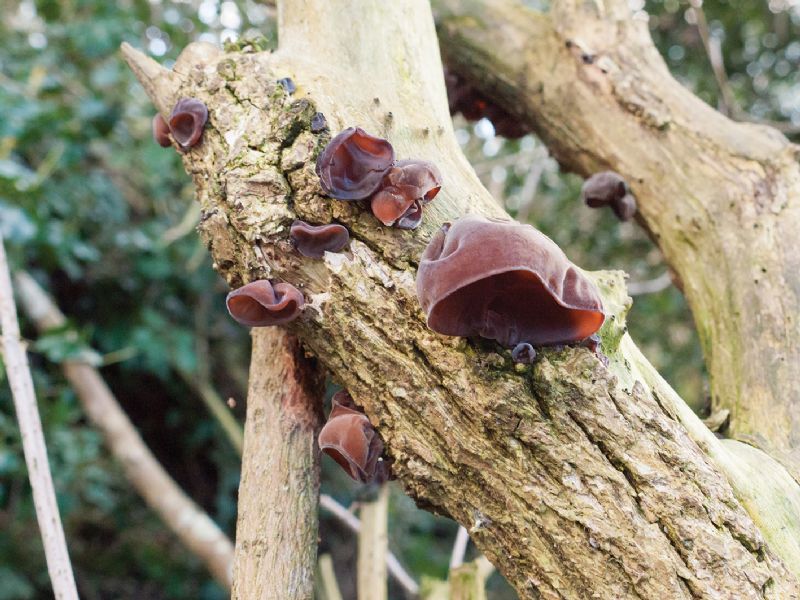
column 571, row 477
column 188, row 521
column 721, row 199
column 276, row 530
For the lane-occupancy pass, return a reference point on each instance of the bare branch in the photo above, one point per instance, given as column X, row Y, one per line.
column 373, row 544
column 396, row 570
column 187, row 520
column 30, row 426
column 459, row 548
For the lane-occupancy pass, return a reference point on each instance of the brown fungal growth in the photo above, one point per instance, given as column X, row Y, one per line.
column 262, row 304
column 161, row 132
column 507, row 282
column 350, row 439
column 353, row 164
column 523, row 353
column 406, row 188
column 463, row 98
column 314, row 241
column 625, row 207
column 608, row 188
column 187, row 121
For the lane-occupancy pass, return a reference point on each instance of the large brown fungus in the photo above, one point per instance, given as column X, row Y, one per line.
column 350, row 439
column 314, row 241
column 187, row 121
column 505, row 281
column 261, row 304
column 353, row 164
column 406, row 188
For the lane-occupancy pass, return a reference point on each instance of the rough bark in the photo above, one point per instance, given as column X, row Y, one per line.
column 575, row 479
column 721, row 199
column 195, row 529
column 276, row 528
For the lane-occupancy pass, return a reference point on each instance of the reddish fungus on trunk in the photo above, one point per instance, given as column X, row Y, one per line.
column 261, row 304
column 608, row 188
column 407, row 187
column 350, row 439
column 505, row 281
column 161, row 132
column 314, row 240
column 187, row 121
column 353, row 164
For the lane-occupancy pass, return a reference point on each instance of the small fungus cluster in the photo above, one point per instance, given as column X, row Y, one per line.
column 358, row 166
column 608, row 188
column 507, row 282
column 350, row 439
column 465, row 99
column 185, row 125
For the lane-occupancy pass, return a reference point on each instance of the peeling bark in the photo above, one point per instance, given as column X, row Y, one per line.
column 576, row 479
column 720, row 198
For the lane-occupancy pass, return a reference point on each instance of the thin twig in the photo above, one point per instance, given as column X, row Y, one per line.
column 396, row 570
column 373, row 546
column 729, row 106
column 326, row 579
column 30, row 426
column 651, row 286
column 459, row 548
column 187, row 520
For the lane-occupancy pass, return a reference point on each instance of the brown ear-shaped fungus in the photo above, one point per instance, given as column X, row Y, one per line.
column 187, row 121
column 261, row 304
column 352, row 165
column 602, row 189
column 350, row 439
column 505, row 281
column 625, row 207
column 314, row 240
column 407, row 187
column 523, row 353
column 161, row 131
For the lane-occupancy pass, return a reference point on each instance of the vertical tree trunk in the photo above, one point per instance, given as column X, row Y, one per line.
column 276, row 530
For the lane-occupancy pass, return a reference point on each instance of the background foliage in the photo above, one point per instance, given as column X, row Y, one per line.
column 104, row 219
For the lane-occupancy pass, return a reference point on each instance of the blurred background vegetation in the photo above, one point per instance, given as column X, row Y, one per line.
column 104, row 219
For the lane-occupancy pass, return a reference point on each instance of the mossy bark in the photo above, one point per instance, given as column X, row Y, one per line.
column 576, row 480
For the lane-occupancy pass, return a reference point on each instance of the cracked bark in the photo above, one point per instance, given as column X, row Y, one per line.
column 575, row 479
column 721, row 199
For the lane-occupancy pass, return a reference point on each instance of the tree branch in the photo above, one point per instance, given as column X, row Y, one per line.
column 193, row 527
column 721, row 199
column 566, row 475
column 276, row 530
column 33, row 445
